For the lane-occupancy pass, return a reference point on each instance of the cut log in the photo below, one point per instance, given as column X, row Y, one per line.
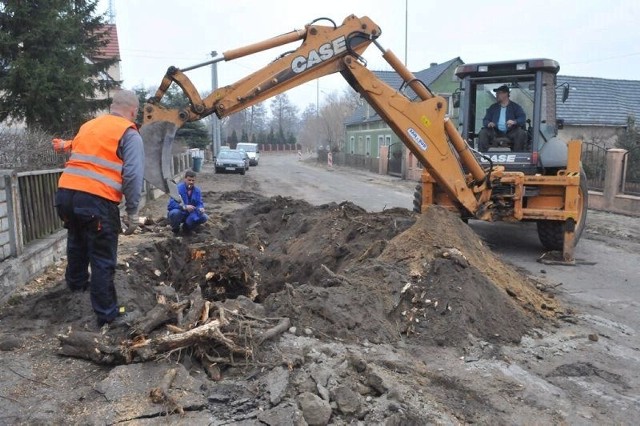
column 92, row 346
column 157, row 316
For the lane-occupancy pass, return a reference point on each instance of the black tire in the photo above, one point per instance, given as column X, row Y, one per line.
column 242, row 172
column 417, row 199
column 551, row 232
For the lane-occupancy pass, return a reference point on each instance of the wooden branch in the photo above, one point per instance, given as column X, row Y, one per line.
column 175, row 329
column 204, row 333
column 280, row 328
column 204, row 316
column 332, row 275
column 160, row 395
column 103, row 349
column 157, row 316
column 195, row 311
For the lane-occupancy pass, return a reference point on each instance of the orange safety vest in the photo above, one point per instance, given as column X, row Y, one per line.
column 94, row 166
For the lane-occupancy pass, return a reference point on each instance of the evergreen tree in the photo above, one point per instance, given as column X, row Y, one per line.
column 291, row 139
column 49, row 74
column 280, row 138
column 193, row 133
column 143, row 95
column 234, row 140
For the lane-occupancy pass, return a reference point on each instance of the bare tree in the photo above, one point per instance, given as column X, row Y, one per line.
column 312, row 134
column 284, row 118
column 28, row 149
column 249, row 122
column 326, row 127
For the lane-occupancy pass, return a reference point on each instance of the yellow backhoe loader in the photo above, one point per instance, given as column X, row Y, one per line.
column 543, row 184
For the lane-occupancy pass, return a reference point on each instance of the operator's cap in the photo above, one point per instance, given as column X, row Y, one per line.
column 502, row 88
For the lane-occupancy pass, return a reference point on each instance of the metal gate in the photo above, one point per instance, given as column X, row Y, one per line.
column 394, row 160
column 631, row 172
column 594, row 163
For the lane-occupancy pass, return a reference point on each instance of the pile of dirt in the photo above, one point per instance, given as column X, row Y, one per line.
column 303, row 277
column 354, row 275
column 345, row 273
column 336, row 270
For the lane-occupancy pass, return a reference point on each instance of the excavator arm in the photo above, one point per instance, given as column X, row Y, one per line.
column 422, row 126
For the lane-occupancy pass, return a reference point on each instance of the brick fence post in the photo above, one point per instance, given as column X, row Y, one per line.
column 613, row 175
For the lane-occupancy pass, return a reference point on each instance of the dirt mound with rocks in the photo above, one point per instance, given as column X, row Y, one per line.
column 353, row 275
column 338, row 271
column 280, row 268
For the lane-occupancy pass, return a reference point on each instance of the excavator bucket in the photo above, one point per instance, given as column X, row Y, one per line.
column 158, row 138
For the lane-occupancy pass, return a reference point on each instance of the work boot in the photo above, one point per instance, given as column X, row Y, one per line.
column 122, row 320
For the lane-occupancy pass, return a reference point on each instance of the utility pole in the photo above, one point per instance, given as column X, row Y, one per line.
column 406, row 30
column 111, row 12
column 215, row 121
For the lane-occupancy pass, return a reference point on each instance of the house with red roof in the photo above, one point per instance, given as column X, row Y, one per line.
column 110, row 51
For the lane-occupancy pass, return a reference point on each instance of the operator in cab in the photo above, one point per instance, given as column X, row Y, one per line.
column 505, row 118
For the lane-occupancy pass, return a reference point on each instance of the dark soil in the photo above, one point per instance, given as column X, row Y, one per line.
column 349, row 274
column 339, row 273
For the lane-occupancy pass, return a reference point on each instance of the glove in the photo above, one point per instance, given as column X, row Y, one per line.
column 132, row 222
column 60, row 145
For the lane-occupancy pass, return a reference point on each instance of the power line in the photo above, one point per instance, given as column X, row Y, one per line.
column 604, row 59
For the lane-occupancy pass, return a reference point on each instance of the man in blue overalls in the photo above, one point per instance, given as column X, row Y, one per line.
column 190, row 214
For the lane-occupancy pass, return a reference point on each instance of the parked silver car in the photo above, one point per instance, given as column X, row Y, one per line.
column 230, row 161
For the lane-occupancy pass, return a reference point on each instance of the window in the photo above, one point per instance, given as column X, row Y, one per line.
column 380, row 144
column 367, row 146
column 352, row 144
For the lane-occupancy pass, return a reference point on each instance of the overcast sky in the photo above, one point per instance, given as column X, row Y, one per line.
column 595, row 38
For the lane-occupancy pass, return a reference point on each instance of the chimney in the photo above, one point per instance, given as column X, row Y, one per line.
column 433, row 64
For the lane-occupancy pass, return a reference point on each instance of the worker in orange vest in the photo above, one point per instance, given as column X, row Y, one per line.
column 106, row 162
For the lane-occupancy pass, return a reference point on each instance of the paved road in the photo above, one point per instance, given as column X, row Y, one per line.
column 608, row 281
column 285, row 175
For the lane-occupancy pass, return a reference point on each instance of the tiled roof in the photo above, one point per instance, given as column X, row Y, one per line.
column 598, row 101
column 112, row 49
column 427, row 76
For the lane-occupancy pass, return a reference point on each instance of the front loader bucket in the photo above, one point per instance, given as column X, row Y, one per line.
column 158, row 138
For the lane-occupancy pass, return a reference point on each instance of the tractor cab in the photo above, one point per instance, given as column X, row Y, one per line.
column 530, row 83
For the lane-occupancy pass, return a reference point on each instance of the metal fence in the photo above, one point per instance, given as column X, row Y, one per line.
column 37, row 191
column 631, row 172
column 35, row 198
column 594, row 163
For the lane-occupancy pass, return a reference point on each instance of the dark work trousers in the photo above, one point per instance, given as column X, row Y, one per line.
column 516, row 134
column 190, row 221
column 93, row 225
